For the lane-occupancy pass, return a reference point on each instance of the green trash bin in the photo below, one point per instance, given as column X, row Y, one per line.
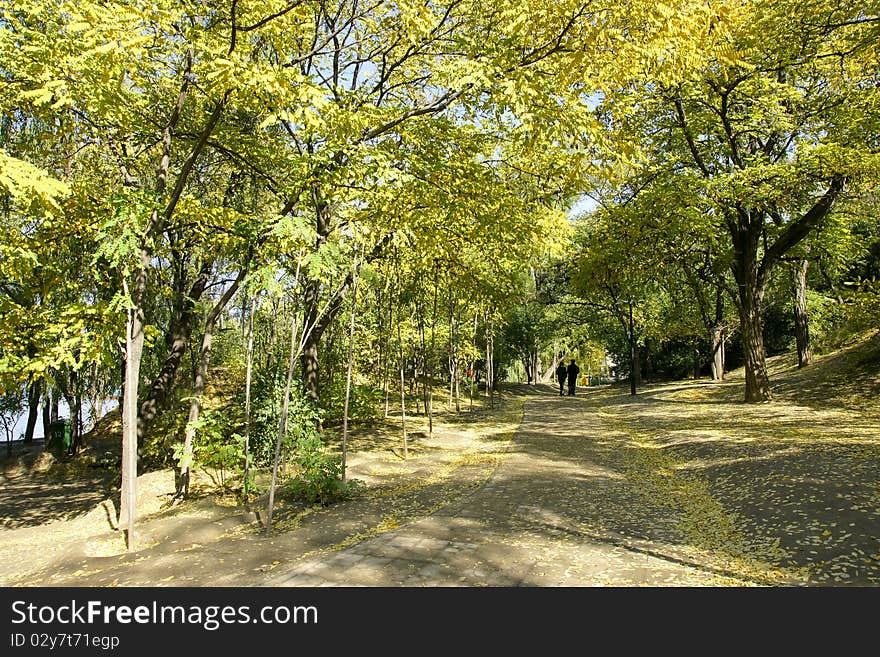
column 59, row 432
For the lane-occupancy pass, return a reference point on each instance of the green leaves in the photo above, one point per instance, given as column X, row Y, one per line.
column 29, row 184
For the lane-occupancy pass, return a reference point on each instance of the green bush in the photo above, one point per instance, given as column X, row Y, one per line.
column 318, row 476
column 216, row 448
column 267, row 399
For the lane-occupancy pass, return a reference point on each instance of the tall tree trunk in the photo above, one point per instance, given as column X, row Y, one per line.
column 270, row 343
column 329, row 359
column 314, row 325
column 455, row 359
column 96, row 396
column 254, row 305
column 716, row 337
column 637, row 365
column 801, row 320
column 282, row 424
column 757, row 380
column 473, row 366
column 451, row 352
column 402, row 392
column 33, row 410
column 430, row 366
column 413, row 380
column 177, row 339
column 195, row 409
column 47, row 410
column 201, row 378
column 750, row 280
column 695, row 347
column 490, row 366
column 386, row 376
column 457, row 381
column 349, row 368
column 134, row 349
column 550, row 373
column 421, row 316
column 76, row 436
column 53, row 405
column 309, row 357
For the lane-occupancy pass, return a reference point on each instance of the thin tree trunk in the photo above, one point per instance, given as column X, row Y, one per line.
column 386, row 379
column 455, row 368
column 801, row 319
column 723, row 353
column 430, row 367
column 33, row 410
column 490, row 374
column 195, row 406
column 282, row 425
column 415, row 364
column 53, row 408
column 716, row 336
column 550, row 373
column 96, row 398
column 47, row 410
column 421, row 313
column 402, row 394
column 296, row 348
column 270, row 347
column 450, row 356
column 349, row 368
column 76, row 414
column 134, row 348
column 247, row 397
column 473, row 365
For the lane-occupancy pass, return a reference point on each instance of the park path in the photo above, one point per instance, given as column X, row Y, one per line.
column 560, row 510
column 682, row 485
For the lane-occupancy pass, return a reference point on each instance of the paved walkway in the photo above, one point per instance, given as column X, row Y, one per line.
column 682, row 485
column 554, row 513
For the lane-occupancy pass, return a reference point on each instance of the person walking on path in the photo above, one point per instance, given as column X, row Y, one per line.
column 561, row 373
column 572, row 372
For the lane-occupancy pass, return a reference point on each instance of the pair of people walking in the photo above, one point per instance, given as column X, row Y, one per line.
column 570, row 373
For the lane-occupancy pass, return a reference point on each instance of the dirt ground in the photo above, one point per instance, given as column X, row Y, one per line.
column 681, row 485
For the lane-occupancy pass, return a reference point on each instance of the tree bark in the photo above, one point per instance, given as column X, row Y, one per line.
column 402, row 389
column 47, row 412
column 134, row 349
column 254, row 305
column 349, row 368
column 177, row 339
column 309, row 356
column 282, row 424
column 430, row 361
column 716, row 335
column 473, row 366
column 33, row 410
column 201, row 378
column 421, row 317
column 757, row 380
column 637, row 365
column 385, row 373
column 801, row 319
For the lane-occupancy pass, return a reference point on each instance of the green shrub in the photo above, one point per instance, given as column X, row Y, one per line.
column 318, row 475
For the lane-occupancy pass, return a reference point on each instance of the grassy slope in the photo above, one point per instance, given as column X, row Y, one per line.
column 783, row 492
